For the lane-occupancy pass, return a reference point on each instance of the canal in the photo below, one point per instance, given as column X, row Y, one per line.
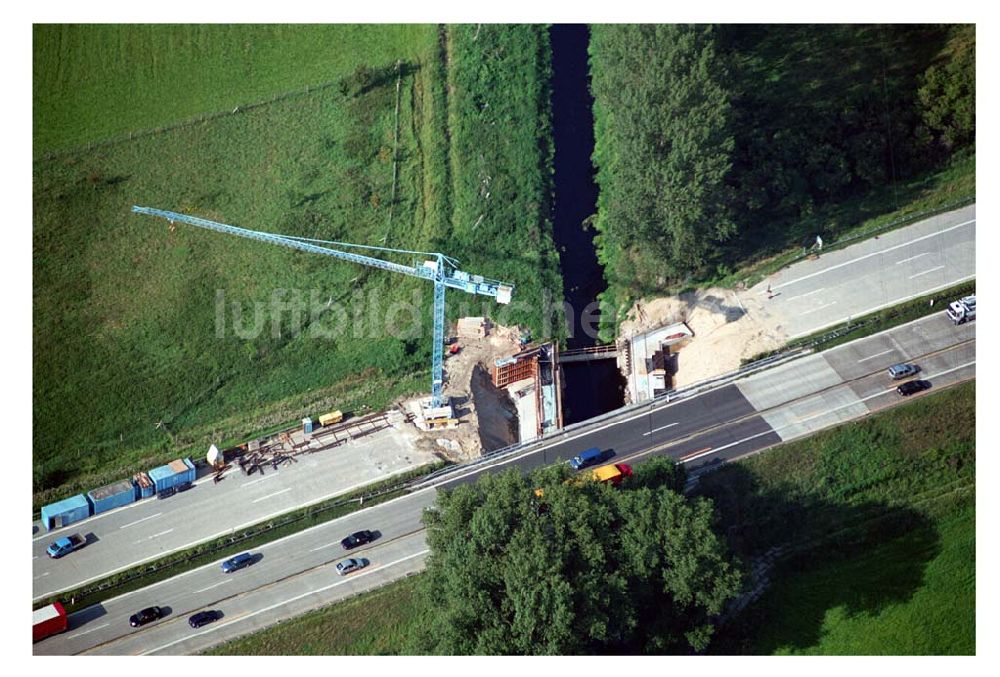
column 590, row 388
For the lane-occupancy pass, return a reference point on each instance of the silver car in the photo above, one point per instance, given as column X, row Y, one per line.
column 901, row 371
column 350, row 565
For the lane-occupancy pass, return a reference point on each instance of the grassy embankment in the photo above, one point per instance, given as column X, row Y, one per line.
column 129, row 371
column 879, row 526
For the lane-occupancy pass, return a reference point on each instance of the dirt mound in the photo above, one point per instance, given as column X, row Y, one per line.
column 728, row 326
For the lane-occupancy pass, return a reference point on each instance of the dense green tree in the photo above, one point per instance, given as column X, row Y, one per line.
column 586, row 568
column 662, row 150
column 948, row 94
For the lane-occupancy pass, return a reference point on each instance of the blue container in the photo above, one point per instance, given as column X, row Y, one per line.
column 112, row 496
column 73, row 509
column 307, row 426
column 172, row 474
column 144, row 487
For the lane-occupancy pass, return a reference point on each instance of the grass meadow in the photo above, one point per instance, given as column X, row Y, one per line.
column 130, row 366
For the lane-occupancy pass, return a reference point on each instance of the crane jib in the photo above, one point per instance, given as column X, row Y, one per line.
column 435, row 270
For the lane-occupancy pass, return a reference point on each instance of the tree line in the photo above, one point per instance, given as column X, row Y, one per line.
column 711, row 140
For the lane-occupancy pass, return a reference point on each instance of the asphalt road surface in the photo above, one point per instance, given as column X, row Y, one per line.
column 296, row 573
column 151, row 528
column 876, row 273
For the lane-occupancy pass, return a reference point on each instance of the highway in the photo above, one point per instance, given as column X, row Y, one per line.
column 296, row 573
column 151, row 528
column 876, row 273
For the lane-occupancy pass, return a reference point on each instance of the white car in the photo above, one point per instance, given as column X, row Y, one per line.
column 350, row 565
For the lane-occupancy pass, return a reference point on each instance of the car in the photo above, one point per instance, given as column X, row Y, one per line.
column 590, row 457
column 350, row 565
column 244, row 559
column 911, row 387
column 203, row 618
column 357, row 538
column 903, row 370
column 147, row 615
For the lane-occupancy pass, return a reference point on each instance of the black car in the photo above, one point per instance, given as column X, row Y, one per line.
column 147, row 615
column 911, row 387
column 203, row 618
column 357, row 538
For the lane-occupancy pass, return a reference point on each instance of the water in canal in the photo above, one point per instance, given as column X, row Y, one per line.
column 590, row 388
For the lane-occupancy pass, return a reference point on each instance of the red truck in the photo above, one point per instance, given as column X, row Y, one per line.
column 49, row 620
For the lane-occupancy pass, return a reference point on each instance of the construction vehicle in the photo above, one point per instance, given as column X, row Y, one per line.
column 439, row 269
column 49, row 620
column 962, row 310
column 65, row 545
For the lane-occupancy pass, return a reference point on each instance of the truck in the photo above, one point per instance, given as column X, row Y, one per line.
column 962, row 310
column 65, row 545
column 612, row 474
column 49, row 620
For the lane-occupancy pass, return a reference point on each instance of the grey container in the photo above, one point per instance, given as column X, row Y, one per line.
column 67, row 511
column 111, row 497
column 174, row 473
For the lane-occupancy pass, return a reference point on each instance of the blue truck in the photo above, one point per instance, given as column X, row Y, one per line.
column 65, row 545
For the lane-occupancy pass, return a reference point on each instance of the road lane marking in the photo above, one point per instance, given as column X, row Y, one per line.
column 695, row 453
column 827, row 305
column 228, row 580
column 872, row 357
column 266, row 477
column 884, row 305
column 262, row 498
column 663, row 427
column 342, row 581
column 868, row 256
column 323, row 547
column 926, row 271
column 81, row 634
column 802, row 296
column 35, row 557
column 42, row 575
column 912, row 258
column 132, row 524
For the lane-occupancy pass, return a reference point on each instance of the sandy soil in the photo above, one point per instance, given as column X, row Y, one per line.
column 728, row 326
column 463, row 442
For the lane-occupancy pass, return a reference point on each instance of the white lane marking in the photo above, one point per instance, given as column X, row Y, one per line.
column 42, row 575
column 228, row 580
column 868, row 256
column 664, row 427
column 149, row 538
column 35, row 557
column 132, row 524
column 926, row 271
column 257, row 500
column 872, row 357
column 912, row 258
column 266, row 477
column 324, row 547
column 802, row 296
column 884, row 305
column 87, row 632
column 826, row 305
column 287, row 601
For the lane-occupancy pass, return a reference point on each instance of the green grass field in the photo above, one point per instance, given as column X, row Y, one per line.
column 92, row 82
column 129, row 366
column 885, row 527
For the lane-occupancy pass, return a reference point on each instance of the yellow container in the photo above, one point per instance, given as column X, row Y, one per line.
column 331, row 418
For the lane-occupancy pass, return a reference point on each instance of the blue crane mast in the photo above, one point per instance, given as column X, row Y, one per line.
column 441, row 270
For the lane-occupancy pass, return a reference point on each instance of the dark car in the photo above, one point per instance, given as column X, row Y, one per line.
column 203, row 618
column 357, row 538
column 903, row 370
column 911, row 387
column 350, row 565
column 147, row 615
column 590, row 457
column 236, row 563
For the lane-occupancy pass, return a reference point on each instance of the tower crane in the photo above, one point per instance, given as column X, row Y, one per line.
column 440, row 269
